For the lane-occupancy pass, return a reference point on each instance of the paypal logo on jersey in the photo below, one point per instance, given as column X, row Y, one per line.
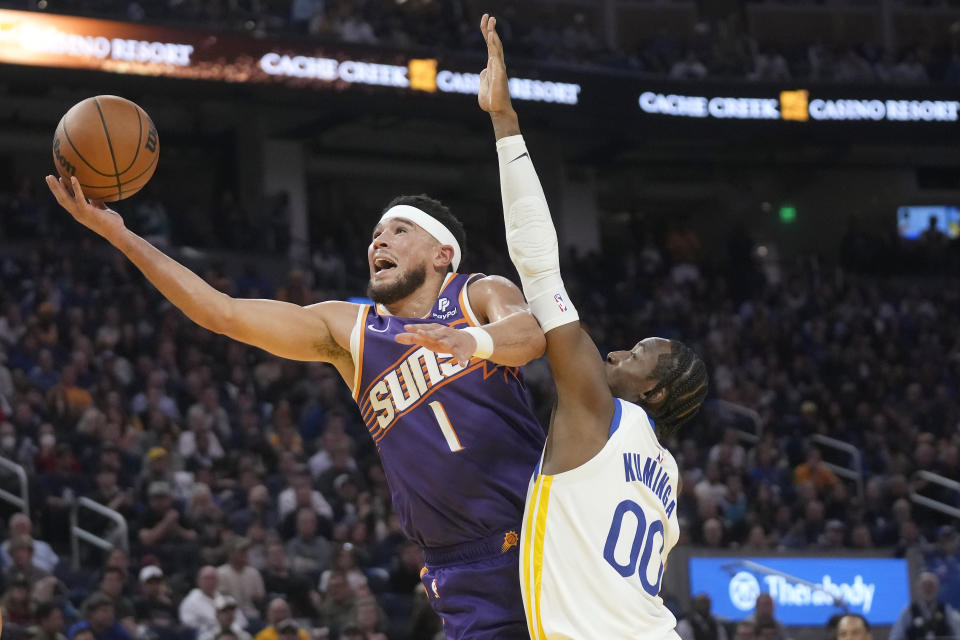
column 442, row 313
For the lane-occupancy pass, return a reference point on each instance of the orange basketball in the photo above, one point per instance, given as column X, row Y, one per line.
column 110, row 144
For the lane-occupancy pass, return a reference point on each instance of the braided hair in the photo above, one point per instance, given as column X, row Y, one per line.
column 683, row 374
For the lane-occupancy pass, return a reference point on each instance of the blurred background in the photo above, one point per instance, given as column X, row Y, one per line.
column 776, row 183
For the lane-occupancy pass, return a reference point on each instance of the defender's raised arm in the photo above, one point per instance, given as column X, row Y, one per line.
column 532, row 244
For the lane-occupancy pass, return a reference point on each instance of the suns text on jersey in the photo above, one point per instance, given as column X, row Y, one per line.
column 402, row 387
column 653, row 475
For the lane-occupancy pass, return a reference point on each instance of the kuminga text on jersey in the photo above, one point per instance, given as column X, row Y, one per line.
column 652, row 475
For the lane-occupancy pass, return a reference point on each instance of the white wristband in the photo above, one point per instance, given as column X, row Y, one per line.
column 484, row 341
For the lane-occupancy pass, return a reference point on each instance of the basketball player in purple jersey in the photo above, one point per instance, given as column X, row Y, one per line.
column 454, row 431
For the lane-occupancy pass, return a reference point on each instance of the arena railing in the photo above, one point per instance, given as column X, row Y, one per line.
column 854, row 472
column 78, row 534
column 22, row 501
column 931, row 503
column 724, row 410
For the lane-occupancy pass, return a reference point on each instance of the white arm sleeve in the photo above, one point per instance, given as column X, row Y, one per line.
column 531, row 236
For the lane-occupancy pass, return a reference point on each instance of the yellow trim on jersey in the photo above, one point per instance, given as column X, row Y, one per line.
column 532, row 553
column 526, row 545
column 538, row 548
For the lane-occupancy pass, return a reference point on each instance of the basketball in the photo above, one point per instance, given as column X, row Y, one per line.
column 109, row 144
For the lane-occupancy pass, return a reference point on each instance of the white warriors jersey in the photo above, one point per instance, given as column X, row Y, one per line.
column 595, row 540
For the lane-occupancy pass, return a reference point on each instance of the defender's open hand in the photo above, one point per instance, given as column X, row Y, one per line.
column 440, row 339
column 494, row 94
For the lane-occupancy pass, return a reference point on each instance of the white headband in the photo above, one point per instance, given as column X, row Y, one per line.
column 429, row 224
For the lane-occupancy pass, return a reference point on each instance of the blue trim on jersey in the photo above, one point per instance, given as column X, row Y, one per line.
column 536, row 472
column 615, row 422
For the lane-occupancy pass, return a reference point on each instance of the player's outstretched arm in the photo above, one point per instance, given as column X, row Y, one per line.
column 317, row 333
column 532, row 243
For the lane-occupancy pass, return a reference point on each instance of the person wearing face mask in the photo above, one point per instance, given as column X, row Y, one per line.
column 8, row 440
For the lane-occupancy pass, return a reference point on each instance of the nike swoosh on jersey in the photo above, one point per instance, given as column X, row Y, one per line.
column 384, row 330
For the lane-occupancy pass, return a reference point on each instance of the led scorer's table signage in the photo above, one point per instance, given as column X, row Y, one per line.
column 805, row 591
column 798, row 106
column 30, row 38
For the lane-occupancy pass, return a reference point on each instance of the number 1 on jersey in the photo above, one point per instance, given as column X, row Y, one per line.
column 451, row 436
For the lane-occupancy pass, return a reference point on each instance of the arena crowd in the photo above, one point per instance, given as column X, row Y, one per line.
column 253, row 496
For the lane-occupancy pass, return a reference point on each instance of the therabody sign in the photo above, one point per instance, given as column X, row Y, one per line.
column 805, row 591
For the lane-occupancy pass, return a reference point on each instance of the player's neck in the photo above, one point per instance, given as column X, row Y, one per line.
column 419, row 303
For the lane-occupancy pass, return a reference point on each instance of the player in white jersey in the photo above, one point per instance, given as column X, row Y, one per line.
column 600, row 515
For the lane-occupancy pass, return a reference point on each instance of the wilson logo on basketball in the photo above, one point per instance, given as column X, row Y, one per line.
column 152, row 138
column 62, row 159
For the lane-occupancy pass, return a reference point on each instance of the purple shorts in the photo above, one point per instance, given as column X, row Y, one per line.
column 475, row 589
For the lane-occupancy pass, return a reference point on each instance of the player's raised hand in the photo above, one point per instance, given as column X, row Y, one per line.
column 92, row 214
column 441, row 339
column 494, row 94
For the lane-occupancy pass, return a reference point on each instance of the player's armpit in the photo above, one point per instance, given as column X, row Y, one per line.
column 318, row 333
column 502, row 310
column 578, row 371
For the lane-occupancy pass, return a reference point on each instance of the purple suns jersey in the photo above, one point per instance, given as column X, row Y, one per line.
column 457, row 443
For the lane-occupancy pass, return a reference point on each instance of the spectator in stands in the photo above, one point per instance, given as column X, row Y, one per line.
column 688, row 68
column 22, row 567
column 198, row 610
column 943, row 560
column 154, row 608
column 111, row 585
column 156, row 469
column 763, row 617
column 243, row 582
column 15, row 604
column 812, row 470
column 927, row 616
column 288, row 500
column 162, row 530
column 345, row 561
column 49, row 622
column 259, row 510
column 281, row 622
column 700, row 624
column 853, row 626
column 405, row 573
column 226, row 612
column 353, row 632
column 745, row 630
column 308, row 552
column 338, row 601
column 713, row 533
column 369, row 618
column 44, row 557
column 99, row 618
column 296, row 588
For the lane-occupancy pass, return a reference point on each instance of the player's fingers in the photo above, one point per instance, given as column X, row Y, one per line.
column 55, row 188
column 496, row 42
column 77, row 191
column 483, row 22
